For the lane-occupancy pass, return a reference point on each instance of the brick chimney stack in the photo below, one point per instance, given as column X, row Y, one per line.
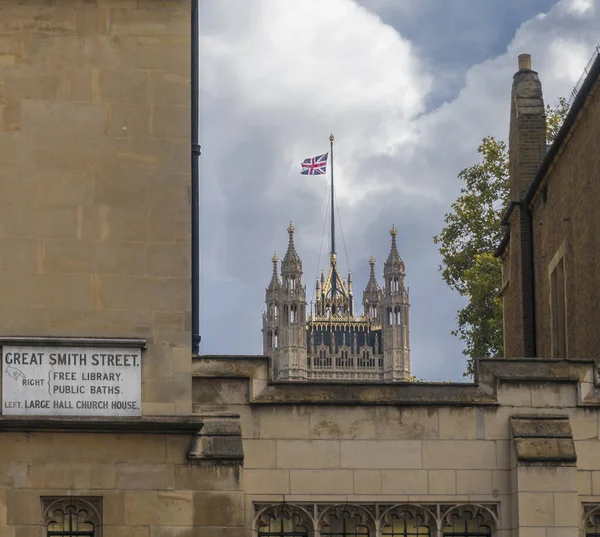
column 527, row 135
column 526, row 149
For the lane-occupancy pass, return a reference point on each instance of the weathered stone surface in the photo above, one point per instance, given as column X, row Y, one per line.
column 545, row 450
column 543, row 438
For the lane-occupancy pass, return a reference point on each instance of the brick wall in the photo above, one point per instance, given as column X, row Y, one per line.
column 94, row 202
column 567, row 215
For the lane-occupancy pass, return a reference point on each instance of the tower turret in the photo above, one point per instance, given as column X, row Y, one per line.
column 271, row 315
column 291, row 355
column 395, row 305
column 372, row 296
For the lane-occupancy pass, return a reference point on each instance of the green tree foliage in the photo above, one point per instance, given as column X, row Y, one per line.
column 471, row 235
column 555, row 117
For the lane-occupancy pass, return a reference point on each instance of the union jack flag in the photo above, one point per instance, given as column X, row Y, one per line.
column 315, row 165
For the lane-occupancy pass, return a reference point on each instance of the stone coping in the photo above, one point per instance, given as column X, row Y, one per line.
column 138, row 343
column 120, row 425
column 483, row 390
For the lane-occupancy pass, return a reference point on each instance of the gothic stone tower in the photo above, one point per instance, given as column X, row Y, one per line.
column 333, row 343
column 396, row 348
column 284, row 323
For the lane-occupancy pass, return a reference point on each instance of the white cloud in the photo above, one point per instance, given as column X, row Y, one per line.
column 277, row 79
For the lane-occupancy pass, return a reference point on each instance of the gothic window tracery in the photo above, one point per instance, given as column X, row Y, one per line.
column 387, row 520
column 407, row 521
column 468, row 521
column 283, row 521
column 72, row 517
column 346, row 521
column 591, row 520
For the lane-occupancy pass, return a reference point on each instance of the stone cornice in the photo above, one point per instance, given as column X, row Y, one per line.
column 490, row 373
column 138, row 343
column 122, row 425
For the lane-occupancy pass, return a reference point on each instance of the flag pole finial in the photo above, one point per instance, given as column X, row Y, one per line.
column 331, row 138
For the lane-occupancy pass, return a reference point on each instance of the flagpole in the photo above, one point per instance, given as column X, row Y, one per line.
column 333, row 282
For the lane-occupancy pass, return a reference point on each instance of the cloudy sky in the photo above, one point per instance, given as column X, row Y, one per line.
column 408, row 88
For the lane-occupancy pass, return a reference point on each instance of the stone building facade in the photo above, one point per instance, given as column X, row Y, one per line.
column 94, row 264
column 331, row 342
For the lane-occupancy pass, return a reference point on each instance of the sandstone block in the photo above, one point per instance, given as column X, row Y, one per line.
column 411, row 423
column 205, row 477
column 536, row 509
column 380, row 454
column 259, row 453
column 141, row 507
column 175, row 508
column 284, row 423
column 459, row 455
column 566, row 509
column 458, row 423
column 442, row 482
column 321, row 481
column 145, row 476
column 308, row 454
column 584, row 483
column 367, row 482
column 345, row 423
column 218, row 508
column 168, row 259
column 473, row 481
column 404, row 482
column 547, row 478
column 23, row 506
column 267, row 481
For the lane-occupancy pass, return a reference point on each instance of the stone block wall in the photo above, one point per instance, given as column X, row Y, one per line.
column 420, row 453
column 148, row 487
column 94, row 184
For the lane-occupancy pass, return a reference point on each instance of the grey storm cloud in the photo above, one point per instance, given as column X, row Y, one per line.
column 276, row 79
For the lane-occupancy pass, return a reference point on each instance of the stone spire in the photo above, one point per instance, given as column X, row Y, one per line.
column 275, row 283
column 291, row 262
column 394, row 263
column 372, row 285
column 372, row 295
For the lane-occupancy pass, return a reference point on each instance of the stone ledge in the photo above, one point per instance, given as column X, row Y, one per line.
column 545, row 439
column 138, row 343
column 219, row 440
column 121, row 425
column 490, row 373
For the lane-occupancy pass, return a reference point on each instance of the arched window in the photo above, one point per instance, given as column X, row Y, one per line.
column 293, row 312
column 275, row 340
column 407, row 521
column 283, row 521
column 72, row 517
column 270, row 339
column 292, row 283
column 347, row 521
column 397, row 315
column 390, row 317
column 592, row 520
column 468, row 521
